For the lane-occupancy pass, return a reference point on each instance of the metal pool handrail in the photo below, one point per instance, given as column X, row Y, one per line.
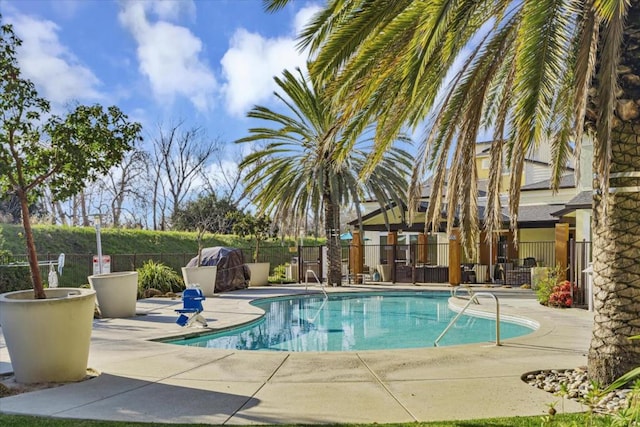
column 472, row 298
column 454, row 291
column 306, row 282
column 325, row 299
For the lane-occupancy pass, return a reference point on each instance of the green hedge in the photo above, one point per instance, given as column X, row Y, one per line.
column 14, row 279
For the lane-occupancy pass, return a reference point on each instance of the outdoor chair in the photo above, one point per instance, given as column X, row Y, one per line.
column 192, row 307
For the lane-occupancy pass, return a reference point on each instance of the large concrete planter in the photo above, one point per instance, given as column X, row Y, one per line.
column 117, row 293
column 48, row 339
column 259, row 273
column 204, row 276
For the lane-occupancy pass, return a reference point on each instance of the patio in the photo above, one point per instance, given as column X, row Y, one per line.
column 148, row 381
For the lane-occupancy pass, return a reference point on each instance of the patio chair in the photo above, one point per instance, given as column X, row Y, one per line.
column 192, row 307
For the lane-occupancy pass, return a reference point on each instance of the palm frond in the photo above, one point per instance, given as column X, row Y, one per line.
column 613, row 12
column 586, row 46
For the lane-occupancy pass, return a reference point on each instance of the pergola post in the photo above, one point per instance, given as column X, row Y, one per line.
column 562, row 250
column 356, row 258
column 455, row 256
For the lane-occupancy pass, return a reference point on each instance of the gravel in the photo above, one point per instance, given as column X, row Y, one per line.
column 578, row 387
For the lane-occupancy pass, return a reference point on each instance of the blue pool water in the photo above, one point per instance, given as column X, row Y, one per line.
column 355, row 321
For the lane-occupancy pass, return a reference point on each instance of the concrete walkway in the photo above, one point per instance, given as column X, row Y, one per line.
column 148, row 381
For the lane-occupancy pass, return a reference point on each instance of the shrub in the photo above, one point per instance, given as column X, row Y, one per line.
column 279, row 272
column 562, row 294
column 546, row 285
column 155, row 275
column 14, row 279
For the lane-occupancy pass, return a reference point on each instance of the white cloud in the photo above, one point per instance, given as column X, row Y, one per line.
column 252, row 61
column 249, row 66
column 169, row 55
column 56, row 72
column 172, row 9
column 222, row 171
column 304, row 16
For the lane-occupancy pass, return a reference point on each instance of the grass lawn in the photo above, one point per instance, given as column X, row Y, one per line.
column 558, row 420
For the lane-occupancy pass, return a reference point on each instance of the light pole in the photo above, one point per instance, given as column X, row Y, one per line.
column 96, row 221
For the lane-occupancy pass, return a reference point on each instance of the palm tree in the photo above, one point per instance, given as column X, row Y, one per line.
column 298, row 171
column 530, row 70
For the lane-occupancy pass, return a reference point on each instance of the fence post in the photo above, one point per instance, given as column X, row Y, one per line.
column 301, row 272
column 392, row 239
column 422, row 249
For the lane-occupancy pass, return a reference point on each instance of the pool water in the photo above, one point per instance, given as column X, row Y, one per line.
column 355, row 321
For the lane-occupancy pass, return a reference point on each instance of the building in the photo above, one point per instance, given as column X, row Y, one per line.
column 543, row 218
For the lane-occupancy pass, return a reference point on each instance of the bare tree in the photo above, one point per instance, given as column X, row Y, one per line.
column 122, row 183
column 75, row 210
column 157, row 190
column 224, row 178
column 180, row 157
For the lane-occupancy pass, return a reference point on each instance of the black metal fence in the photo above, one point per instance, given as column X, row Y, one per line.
column 405, row 263
column 580, row 257
column 77, row 267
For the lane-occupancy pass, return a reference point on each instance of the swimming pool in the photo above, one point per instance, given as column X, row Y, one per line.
column 355, row 321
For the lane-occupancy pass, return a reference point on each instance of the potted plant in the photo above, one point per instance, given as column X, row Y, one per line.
column 258, row 227
column 48, row 331
column 199, row 216
column 116, row 292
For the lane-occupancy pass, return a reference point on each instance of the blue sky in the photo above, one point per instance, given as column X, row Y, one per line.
column 206, row 62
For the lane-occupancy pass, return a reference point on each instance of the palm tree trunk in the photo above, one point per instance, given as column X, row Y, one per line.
column 616, row 229
column 332, row 234
column 616, row 267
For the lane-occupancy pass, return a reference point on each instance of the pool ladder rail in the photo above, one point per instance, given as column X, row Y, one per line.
column 306, row 282
column 473, row 298
column 324, row 300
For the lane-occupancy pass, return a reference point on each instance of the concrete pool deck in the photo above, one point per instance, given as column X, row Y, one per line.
column 147, row 381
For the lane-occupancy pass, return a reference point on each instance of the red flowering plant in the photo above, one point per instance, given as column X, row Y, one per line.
column 562, row 295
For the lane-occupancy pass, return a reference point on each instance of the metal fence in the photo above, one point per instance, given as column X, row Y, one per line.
column 77, row 267
column 580, row 258
column 404, row 263
column 400, row 262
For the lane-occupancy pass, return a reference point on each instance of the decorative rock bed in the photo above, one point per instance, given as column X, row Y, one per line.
column 578, row 387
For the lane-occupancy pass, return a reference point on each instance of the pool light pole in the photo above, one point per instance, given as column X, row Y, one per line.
column 97, row 218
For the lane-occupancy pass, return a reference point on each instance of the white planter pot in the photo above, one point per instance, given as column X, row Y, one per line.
column 117, row 293
column 259, row 273
column 204, row 276
column 48, row 339
column 385, row 272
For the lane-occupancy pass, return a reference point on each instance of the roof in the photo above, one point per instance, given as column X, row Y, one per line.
column 567, row 181
column 533, row 216
column 538, row 213
column 583, row 200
